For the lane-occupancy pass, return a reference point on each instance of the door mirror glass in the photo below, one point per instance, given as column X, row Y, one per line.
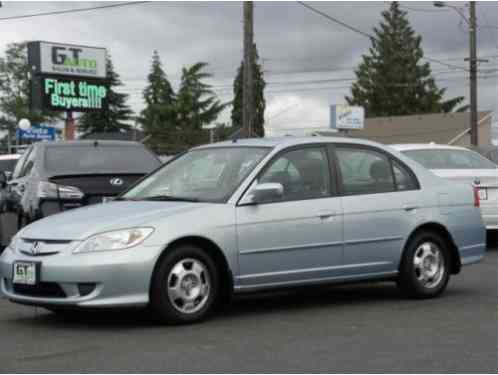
column 267, row 192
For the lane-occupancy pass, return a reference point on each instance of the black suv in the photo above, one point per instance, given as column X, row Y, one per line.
column 55, row 176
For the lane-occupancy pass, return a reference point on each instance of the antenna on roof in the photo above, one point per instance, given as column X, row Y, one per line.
column 95, row 143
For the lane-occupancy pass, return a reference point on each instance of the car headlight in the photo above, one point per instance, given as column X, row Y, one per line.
column 51, row 190
column 115, row 240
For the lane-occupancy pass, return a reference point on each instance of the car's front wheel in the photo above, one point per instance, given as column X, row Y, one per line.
column 185, row 286
column 425, row 267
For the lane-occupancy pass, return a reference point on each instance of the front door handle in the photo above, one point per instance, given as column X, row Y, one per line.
column 326, row 214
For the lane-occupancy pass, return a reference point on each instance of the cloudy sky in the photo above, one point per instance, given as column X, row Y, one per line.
column 308, row 60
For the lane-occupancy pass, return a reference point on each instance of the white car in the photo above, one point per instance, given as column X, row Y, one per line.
column 461, row 164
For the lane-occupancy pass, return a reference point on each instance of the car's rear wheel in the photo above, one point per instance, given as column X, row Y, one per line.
column 185, row 286
column 425, row 267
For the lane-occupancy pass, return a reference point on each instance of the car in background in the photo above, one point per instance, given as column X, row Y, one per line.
column 250, row 215
column 8, row 163
column 490, row 152
column 462, row 165
column 51, row 177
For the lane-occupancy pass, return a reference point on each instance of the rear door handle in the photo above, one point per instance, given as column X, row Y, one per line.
column 409, row 207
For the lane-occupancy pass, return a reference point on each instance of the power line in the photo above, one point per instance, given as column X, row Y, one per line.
column 424, row 10
column 352, row 28
column 369, row 36
column 55, row 12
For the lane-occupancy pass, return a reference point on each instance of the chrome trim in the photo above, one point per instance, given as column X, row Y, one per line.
column 290, row 248
column 370, row 240
column 304, row 270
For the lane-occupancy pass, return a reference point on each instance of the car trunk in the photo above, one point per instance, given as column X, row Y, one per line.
column 96, row 187
column 485, row 179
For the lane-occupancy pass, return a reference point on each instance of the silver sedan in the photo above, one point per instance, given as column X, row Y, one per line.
column 247, row 215
column 459, row 164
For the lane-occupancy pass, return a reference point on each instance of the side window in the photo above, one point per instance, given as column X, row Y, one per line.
column 303, row 173
column 364, row 171
column 404, row 180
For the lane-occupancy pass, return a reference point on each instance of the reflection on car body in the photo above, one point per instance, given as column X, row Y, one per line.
column 266, row 214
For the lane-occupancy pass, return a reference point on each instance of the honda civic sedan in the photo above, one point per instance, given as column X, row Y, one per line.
column 251, row 215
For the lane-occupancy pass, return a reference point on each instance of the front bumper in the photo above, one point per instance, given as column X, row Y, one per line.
column 103, row 279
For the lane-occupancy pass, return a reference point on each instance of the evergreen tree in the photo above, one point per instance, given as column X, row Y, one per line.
column 392, row 80
column 115, row 115
column 159, row 113
column 196, row 103
column 15, row 90
column 259, row 98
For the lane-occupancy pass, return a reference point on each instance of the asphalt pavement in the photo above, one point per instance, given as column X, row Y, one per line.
column 355, row 328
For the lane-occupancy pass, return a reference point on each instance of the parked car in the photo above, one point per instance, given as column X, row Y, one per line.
column 254, row 214
column 490, row 152
column 51, row 177
column 462, row 165
column 7, row 165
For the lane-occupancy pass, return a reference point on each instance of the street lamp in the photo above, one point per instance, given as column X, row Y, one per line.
column 471, row 21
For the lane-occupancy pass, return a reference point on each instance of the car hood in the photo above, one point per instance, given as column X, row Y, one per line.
column 81, row 223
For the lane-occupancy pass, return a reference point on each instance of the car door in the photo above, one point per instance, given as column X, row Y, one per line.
column 297, row 237
column 380, row 199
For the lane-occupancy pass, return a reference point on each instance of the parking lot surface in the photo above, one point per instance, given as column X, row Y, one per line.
column 355, row 328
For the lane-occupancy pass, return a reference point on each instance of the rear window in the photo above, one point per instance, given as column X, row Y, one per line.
column 72, row 159
column 7, row 165
column 450, row 159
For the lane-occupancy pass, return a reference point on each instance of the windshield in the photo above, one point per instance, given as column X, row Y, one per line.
column 450, row 159
column 204, row 175
column 72, row 159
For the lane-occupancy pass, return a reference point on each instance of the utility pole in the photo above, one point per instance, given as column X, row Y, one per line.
column 474, row 139
column 247, row 74
column 473, row 60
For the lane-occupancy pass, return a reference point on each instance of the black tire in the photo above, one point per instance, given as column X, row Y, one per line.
column 409, row 280
column 161, row 305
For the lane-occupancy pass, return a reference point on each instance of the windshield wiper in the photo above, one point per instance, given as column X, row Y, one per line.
column 169, row 198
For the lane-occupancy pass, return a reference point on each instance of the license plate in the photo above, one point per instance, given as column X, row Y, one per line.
column 25, row 273
column 483, row 194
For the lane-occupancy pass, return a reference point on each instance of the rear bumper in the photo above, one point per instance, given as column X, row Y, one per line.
column 489, row 212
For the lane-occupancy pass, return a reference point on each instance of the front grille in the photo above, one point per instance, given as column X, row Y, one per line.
column 43, row 289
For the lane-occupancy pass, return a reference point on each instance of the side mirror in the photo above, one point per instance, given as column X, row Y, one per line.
column 266, row 192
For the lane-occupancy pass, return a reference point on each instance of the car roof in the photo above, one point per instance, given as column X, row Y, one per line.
column 89, row 143
column 286, row 141
column 10, row 156
column 425, row 146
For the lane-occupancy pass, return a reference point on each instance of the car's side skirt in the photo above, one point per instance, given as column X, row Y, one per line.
column 317, row 281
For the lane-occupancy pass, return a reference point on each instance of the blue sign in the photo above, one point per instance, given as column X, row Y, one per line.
column 37, row 133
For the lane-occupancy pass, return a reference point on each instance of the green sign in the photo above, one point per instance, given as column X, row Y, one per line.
column 73, row 94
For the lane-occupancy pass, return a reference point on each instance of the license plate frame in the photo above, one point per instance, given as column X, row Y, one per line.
column 30, row 274
column 483, row 194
